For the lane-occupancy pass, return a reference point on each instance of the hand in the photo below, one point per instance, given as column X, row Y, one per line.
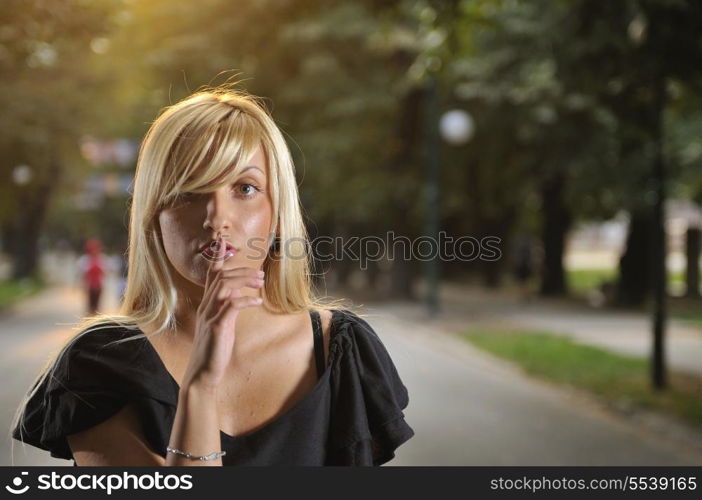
column 216, row 317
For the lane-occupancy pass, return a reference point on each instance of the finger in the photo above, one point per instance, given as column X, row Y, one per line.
column 214, row 270
column 243, row 271
column 218, row 263
column 211, row 290
column 228, row 274
column 227, row 284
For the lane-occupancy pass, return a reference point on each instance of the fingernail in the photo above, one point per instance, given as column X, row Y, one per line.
column 261, row 273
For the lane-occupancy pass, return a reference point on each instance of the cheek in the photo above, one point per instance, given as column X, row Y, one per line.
column 256, row 227
column 257, row 223
column 174, row 234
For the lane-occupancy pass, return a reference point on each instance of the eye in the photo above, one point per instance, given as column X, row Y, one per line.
column 247, row 190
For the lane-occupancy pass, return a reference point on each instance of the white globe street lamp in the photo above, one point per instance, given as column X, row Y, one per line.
column 22, row 174
column 457, row 127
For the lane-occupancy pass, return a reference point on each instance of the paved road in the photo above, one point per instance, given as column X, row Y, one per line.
column 29, row 334
column 469, row 408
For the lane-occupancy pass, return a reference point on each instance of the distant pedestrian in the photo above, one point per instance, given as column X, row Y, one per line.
column 92, row 267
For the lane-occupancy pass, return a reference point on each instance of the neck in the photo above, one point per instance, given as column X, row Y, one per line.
column 190, row 295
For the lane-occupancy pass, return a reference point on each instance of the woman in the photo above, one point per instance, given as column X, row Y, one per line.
column 220, row 354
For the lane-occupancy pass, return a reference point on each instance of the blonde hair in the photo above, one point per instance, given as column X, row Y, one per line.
column 191, row 146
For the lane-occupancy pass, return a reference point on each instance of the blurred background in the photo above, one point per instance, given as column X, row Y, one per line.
column 568, row 132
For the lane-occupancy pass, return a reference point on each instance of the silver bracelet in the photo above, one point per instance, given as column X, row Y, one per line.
column 212, row 456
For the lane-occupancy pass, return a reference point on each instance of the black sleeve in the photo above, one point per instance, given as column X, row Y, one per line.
column 91, row 381
column 368, row 424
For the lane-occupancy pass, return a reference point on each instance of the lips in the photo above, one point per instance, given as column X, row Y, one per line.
column 213, row 245
column 209, row 250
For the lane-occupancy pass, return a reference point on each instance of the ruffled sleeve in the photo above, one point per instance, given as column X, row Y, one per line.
column 367, row 423
column 91, row 380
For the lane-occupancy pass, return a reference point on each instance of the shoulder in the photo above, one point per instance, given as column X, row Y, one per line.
column 111, row 357
column 97, row 372
column 343, row 324
column 368, row 395
column 103, row 333
column 107, row 340
column 347, row 323
column 358, row 349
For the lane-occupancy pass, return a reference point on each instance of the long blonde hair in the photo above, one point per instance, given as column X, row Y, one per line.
column 192, row 146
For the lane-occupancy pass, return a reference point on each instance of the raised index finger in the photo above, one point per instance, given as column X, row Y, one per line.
column 218, row 263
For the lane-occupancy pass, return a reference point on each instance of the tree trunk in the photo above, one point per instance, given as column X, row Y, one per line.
column 556, row 222
column 635, row 278
column 32, row 203
column 343, row 269
column 402, row 275
column 692, row 271
column 373, row 273
column 492, row 270
column 29, row 220
column 6, row 237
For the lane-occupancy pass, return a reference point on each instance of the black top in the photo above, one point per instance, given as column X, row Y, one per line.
column 353, row 416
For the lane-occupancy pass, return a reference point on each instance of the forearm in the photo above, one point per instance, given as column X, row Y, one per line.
column 196, row 426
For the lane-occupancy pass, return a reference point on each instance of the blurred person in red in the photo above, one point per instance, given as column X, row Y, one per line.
column 91, row 267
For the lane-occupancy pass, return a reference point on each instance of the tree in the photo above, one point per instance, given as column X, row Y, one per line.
column 46, row 47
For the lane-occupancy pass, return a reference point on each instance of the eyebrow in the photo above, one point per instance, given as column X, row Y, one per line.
column 250, row 167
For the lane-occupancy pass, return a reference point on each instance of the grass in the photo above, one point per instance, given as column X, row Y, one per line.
column 618, row 379
column 12, row 291
column 584, row 280
column 692, row 317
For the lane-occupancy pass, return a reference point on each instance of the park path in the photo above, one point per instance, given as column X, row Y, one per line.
column 470, row 408
column 623, row 332
column 30, row 332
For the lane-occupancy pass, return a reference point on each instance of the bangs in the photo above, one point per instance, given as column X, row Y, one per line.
column 205, row 157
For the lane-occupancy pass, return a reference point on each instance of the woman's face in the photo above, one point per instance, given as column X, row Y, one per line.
column 241, row 210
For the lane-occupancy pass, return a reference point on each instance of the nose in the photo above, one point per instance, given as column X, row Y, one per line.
column 219, row 212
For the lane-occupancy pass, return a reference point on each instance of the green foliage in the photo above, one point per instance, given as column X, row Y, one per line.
column 333, row 74
column 556, row 88
column 16, row 290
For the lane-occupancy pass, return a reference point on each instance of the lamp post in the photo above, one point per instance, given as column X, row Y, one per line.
column 433, row 164
column 456, row 127
column 638, row 31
